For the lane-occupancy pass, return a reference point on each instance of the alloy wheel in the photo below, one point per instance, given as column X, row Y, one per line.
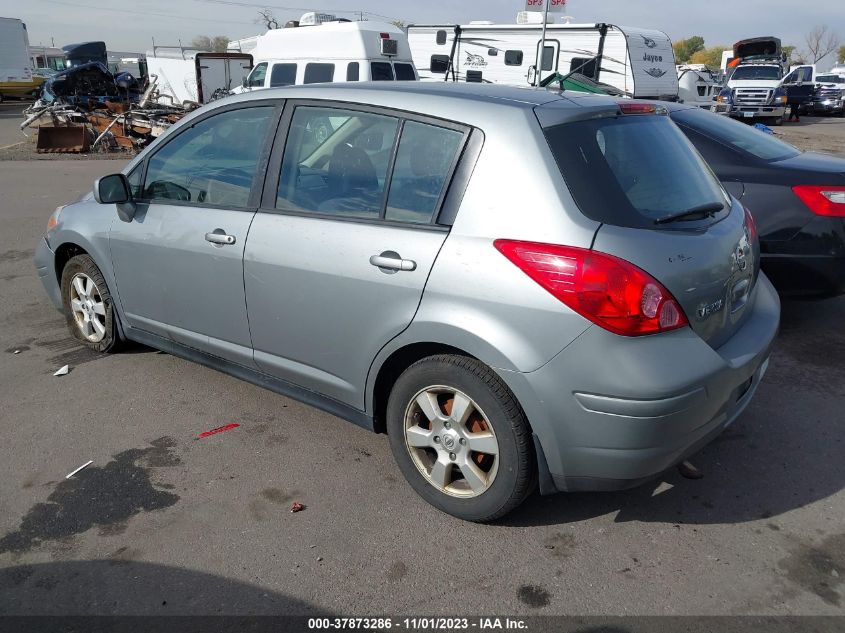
column 88, row 307
column 451, row 441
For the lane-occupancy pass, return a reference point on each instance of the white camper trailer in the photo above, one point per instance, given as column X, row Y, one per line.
column 697, row 85
column 325, row 50
column 185, row 76
column 638, row 62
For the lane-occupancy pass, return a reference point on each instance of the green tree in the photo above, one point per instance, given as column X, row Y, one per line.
column 793, row 55
column 216, row 44
column 841, row 57
column 710, row 56
column 685, row 49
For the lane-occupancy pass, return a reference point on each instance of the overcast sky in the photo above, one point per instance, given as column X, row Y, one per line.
column 130, row 26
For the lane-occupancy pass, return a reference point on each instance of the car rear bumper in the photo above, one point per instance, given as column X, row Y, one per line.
column 806, row 275
column 45, row 265
column 611, row 412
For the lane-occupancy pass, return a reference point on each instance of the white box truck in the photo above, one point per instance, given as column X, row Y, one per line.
column 16, row 79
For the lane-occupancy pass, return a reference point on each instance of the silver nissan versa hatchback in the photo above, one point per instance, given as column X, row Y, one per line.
column 519, row 287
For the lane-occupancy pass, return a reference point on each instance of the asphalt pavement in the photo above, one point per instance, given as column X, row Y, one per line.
column 164, row 523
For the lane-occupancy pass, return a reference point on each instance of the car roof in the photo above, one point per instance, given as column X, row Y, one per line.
column 420, row 96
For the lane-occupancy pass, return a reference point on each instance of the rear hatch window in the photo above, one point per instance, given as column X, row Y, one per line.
column 635, row 170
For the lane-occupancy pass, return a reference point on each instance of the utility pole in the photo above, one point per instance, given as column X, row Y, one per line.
column 542, row 48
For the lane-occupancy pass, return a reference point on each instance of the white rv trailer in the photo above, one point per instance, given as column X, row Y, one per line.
column 639, row 62
column 185, row 76
column 323, row 50
column 697, row 85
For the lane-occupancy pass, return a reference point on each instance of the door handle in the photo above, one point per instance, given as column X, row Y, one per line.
column 390, row 261
column 219, row 238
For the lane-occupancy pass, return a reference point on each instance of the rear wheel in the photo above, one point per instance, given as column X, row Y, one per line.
column 460, row 438
column 89, row 308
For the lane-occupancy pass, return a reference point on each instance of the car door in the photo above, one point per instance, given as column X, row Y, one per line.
column 340, row 251
column 179, row 261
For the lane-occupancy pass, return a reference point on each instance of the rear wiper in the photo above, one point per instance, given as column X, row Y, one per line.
column 695, row 213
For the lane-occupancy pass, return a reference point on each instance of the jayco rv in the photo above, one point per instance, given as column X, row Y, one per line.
column 639, row 62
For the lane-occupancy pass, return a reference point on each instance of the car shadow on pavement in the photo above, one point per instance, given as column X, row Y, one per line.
column 786, row 451
column 120, row 585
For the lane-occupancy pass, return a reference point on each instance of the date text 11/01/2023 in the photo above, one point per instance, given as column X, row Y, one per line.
column 418, row 624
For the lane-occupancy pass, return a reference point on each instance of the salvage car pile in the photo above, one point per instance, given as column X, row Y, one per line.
column 88, row 108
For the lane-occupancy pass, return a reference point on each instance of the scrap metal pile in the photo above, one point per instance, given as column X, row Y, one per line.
column 86, row 108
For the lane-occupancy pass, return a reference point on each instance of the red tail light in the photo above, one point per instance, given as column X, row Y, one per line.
column 633, row 107
column 609, row 291
column 823, row 200
column 751, row 225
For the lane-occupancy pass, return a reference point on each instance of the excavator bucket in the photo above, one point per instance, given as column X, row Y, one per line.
column 63, row 139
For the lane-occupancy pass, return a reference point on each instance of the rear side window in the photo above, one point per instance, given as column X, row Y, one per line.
column 381, row 71
column 735, row 134
column 404, row 72
column 283, row 75
column 319, row 73
column 630, row 170
column 352, row 71
column 424, row 161
column 213, row 162
column 336, row 162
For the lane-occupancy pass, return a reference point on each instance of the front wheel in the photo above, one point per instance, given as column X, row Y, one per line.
column 460, row 438
column 88, row 304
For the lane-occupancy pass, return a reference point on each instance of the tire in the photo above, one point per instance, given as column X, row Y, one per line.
column 86, row 298
column 501, row 480
column 777, row 122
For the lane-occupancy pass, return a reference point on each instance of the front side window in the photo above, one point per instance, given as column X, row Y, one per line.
column 336, row 162
column 423, row 164
column 319, row 73
column 735, row 134
column 213, row 162
column 629, row 170
column 381, row 71
column 256, row 77
column 404, row 72
column 134, row 178
column 283, row 75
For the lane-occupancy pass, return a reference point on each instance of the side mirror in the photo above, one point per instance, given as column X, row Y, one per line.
column 244, row 82
column 532, row 75
column 113, row 189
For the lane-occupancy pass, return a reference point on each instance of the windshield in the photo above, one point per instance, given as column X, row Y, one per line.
column 630, row 170
column 735, row 134
column 756, row 72
column 830, row 79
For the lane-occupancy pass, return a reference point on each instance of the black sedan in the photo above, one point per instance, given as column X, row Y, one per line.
column 797, row 198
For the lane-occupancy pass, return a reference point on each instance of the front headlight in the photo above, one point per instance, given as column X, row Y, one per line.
column 726, row 96
column 779, row 97
column 54, row 218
